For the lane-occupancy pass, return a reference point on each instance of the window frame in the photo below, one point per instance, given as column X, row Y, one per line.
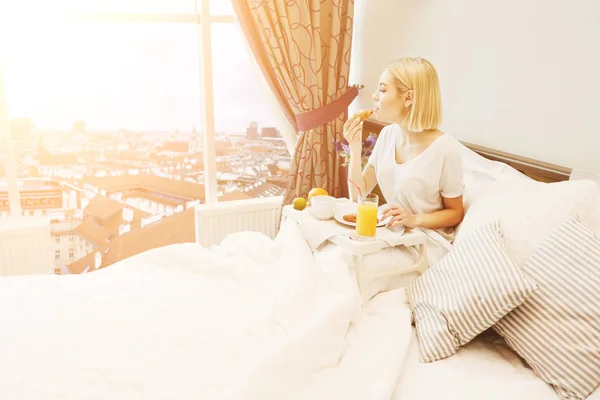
column 6, row 146
column 203, row 19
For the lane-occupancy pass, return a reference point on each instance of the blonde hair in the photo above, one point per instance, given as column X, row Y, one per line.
column 418, row 75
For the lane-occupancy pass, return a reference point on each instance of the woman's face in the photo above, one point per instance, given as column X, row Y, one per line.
column 390, row 104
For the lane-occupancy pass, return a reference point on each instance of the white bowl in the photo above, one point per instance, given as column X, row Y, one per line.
column 322, row 207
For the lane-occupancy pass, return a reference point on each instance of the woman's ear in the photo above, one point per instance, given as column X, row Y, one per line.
column 408, row 98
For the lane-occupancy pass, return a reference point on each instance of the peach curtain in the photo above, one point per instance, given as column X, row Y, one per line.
column 303, row 50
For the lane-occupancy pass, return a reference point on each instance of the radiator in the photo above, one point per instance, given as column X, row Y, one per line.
column 214, row 222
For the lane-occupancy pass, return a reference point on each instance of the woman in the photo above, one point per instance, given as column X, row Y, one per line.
column 418, row 167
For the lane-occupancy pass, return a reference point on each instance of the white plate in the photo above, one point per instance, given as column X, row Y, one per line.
column 351, row 209
column 340, row 219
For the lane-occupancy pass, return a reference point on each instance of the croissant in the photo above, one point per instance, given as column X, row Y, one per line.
column 350, row 217
column 362, row 115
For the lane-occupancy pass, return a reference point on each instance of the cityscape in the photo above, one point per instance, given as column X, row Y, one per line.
column 115, row 193
column 105, row 119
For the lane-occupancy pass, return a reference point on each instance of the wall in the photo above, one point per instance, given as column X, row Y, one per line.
column 522, row 76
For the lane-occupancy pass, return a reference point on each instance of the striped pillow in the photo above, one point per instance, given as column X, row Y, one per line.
column 465, row 293
column 557, row 331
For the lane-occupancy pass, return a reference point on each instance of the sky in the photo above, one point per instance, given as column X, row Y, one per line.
column 137, row 76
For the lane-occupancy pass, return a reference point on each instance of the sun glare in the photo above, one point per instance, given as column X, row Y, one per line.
column 59, row 68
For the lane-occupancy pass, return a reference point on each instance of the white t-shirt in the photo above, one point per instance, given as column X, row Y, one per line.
column 419, row 184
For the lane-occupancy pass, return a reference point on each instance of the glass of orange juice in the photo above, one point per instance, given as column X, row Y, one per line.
column 366, row 216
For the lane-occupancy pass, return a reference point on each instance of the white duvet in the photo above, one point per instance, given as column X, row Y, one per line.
column 251, row 319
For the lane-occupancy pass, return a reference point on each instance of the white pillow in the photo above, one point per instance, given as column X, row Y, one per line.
column 528, row 211
column 593, row 219
column 479, row 172
column 581, row 174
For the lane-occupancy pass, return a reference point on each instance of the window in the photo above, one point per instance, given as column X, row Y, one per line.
column 107, row 76
column 58, row 7
column 57, row 239
column 221, row 7
column 131, row 67
column 120, row 85
column 71, row 254
column 71, row 237
column 56, row 255
column 262, row 170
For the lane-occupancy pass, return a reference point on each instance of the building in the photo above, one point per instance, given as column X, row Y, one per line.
column 68, row 245
column 149, row 193
column 176, row 147
column 196, row 145
column 178, row 228
column 270, row 132
column 51, row 165
column 57, row 202
column 252, row 131
column 117, row 225
column 104, row 219
column 257, row 190
column 38, row 197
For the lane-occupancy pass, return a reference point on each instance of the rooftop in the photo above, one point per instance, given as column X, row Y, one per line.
column 30, row 185
column 102, row 207
column 178, row 228
column 93, row 232
column 171, row 187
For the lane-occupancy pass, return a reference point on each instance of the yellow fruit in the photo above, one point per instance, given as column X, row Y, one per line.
column 317, row 192
column 299, row 203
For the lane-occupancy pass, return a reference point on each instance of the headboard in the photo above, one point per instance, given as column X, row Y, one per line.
column 538, row 170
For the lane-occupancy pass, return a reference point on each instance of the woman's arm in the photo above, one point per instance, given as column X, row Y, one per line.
column 365, row 178
column 451, row 215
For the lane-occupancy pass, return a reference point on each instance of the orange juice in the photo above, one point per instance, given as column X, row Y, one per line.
column 366, row 219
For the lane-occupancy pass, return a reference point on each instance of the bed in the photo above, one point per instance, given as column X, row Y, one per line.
column 487, row 367
column 252, row 318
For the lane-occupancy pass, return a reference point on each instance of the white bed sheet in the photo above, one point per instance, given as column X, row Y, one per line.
column 251, row 319
column 484, row 369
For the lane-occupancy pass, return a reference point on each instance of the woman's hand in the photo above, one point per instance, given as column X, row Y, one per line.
column 353, row 132
column 400, row 217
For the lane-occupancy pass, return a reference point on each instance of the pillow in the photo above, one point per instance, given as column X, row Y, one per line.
column 465, row 293
column 480, row 172
column 557, row 330
column 579, row 174
column 528, row 211
column 593, row 219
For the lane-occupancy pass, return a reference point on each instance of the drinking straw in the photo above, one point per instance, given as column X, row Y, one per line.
column 360, row 196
